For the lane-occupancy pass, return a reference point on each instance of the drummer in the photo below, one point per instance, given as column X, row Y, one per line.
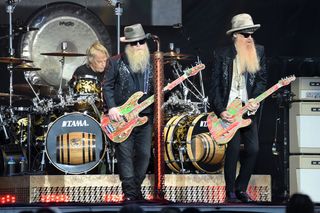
column 97, row 56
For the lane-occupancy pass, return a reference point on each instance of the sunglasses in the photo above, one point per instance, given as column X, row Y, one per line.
column 246, row 35
column 135, row 43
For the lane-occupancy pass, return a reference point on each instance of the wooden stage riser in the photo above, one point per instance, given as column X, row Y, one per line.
column 107, row 188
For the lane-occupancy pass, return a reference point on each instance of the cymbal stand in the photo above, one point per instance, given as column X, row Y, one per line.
column 10, row 8
column 34, row 92
column 118, row 11
column 4, row 127
column 204, row 97
column 62, row 61
column 177, row 69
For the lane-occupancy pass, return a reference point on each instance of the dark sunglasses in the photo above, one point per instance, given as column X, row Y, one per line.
column 135, row 43
column 246, row 35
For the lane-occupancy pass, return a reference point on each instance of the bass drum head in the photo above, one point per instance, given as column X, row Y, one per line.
column 204, row 153
column 57, row 23
column 75, row 143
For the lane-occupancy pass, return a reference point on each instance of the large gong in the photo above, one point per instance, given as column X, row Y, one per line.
column 70, row 23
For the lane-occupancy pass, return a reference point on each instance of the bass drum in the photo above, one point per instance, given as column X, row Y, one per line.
column 75, row 143
column 189, row 147
column 70, row 23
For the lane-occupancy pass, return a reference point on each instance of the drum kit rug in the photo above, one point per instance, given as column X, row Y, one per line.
column 59, row 128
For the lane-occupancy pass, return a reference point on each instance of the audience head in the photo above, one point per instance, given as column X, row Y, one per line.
column 300, row 203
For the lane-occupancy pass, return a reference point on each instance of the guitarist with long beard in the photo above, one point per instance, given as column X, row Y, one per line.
column 239, row 71
column 126, row 74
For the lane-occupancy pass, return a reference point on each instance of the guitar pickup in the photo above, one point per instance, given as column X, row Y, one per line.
column 124, row 118
column 110, row 129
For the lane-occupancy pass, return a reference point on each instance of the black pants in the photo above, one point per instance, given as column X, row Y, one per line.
column 249, row 137
column 133, row 156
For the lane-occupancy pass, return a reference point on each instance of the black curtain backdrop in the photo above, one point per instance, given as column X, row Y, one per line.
column 289, row 31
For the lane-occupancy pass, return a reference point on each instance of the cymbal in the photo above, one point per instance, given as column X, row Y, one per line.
column 175, row 55
column 13, row 60
column 42, row 90
column 66, row 54
column 25, row 67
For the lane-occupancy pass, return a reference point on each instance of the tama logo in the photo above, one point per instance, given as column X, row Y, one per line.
column 76, row 123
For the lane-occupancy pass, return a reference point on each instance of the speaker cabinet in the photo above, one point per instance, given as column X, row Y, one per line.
column 305, row 175
column 306, row 89
column 304, row 123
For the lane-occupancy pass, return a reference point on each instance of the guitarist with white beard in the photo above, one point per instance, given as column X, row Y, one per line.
column 239, row 71
column 126, row 74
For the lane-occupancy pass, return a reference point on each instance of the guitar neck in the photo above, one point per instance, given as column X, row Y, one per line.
column 262, row 96
column 170, row 86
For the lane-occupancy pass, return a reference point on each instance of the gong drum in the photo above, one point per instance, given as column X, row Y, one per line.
column 74, row 25
column 189, row 144
column 75, row 143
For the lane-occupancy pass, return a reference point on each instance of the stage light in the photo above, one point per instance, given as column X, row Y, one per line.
column 7, row 199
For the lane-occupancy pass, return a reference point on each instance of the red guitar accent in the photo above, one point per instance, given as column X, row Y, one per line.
column 119, row 131
column 222, row 131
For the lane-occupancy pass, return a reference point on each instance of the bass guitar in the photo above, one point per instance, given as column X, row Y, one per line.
column 222, row 131
column 119, row 131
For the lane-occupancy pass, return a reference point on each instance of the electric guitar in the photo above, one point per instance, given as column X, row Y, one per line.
column 222, row 131
column 119, row 131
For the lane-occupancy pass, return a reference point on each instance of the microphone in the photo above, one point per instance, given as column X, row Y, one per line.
column 25, row 28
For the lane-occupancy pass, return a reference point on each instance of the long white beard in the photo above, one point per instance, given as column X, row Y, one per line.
column 248, row 58
column 138, row 59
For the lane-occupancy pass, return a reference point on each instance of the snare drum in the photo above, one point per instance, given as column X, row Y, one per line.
column 75, row 143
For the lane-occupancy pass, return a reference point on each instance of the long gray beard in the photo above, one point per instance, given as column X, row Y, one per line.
column 138, row 60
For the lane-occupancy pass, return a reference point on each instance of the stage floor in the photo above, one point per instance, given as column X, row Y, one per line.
column 154, row 207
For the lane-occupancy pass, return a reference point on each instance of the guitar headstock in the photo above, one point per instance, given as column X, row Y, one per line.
column 287, row 80
column 194, row 70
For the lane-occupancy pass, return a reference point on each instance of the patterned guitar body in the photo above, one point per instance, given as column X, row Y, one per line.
column 223, row 131
column 119, row 131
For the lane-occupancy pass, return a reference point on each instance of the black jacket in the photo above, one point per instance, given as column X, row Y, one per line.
column 221, row 77
column 120, row 82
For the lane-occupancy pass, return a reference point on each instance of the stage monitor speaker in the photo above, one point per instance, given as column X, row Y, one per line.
column 305, row 175
column 306, row 89
column 304, row 122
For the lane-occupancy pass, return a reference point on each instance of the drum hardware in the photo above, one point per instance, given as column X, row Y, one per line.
column 118, row 12
column 3, row 125
column 62, row 54
column 200, row 96
column 91, row 100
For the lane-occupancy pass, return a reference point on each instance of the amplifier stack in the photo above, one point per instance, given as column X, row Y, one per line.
column 304, row 148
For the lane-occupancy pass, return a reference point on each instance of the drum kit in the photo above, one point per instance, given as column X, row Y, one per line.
column 42, row 120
